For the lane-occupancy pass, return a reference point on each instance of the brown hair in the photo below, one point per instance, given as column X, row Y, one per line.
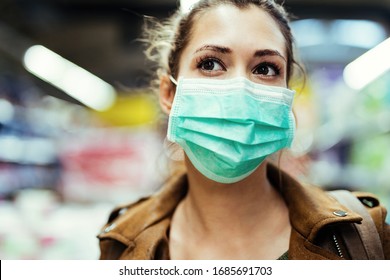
column 166, row 40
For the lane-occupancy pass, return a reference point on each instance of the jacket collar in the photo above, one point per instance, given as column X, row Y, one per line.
column 146, row 212
column 310, row 209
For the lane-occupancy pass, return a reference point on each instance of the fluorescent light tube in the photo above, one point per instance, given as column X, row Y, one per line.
column 366, row 68
column 70, row 78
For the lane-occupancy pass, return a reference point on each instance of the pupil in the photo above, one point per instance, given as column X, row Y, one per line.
column 208, row 65
column 263, row 70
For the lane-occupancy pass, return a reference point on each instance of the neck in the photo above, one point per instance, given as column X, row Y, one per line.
column 211, row 205
column 224, row 221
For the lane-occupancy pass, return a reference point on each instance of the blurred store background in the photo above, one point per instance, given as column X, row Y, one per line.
column 66, row 160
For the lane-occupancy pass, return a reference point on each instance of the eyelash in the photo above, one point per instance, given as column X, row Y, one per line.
column 207, row 58
column 274, row 66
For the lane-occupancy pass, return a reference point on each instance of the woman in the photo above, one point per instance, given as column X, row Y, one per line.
column 223, row 82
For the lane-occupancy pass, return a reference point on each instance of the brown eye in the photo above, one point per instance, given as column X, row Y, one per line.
column 210, row 65
column 266, row 69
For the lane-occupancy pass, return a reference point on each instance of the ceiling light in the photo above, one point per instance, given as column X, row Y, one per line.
column 314, row 32
column 70, row 78
column 371, row 33
column 368, row 67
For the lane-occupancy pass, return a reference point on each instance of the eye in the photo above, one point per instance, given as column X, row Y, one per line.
column 210, row 64
column 267, row 69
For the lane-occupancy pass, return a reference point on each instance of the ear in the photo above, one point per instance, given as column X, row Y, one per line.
column 167, row 93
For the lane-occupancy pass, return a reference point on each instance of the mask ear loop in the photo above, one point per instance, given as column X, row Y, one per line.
column 173, row 151
column 173, row 80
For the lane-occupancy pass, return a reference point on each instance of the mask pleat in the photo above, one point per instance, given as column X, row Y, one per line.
column 228, row 127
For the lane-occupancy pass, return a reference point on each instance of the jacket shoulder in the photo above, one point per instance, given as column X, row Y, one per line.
column 112, row 237
column 141, row 226
column 123, row 208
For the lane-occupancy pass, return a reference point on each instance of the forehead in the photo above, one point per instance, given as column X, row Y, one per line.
column 245, row 29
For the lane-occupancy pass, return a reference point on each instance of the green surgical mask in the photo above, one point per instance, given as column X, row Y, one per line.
column 228, row 127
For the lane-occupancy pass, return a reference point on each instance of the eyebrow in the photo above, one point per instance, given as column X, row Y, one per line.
column 215, row 48
column 268, row 52
column 224, row 50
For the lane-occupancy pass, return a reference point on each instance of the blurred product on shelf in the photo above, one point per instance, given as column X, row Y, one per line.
column 112, row 165
column 63, row 167
column 40, row 226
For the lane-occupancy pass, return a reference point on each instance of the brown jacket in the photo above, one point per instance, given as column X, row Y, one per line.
column 140, row 230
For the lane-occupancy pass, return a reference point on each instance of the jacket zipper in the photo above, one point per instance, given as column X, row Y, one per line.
column 336, row 242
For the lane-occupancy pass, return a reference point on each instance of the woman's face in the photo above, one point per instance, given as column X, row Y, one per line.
column 228, row 42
